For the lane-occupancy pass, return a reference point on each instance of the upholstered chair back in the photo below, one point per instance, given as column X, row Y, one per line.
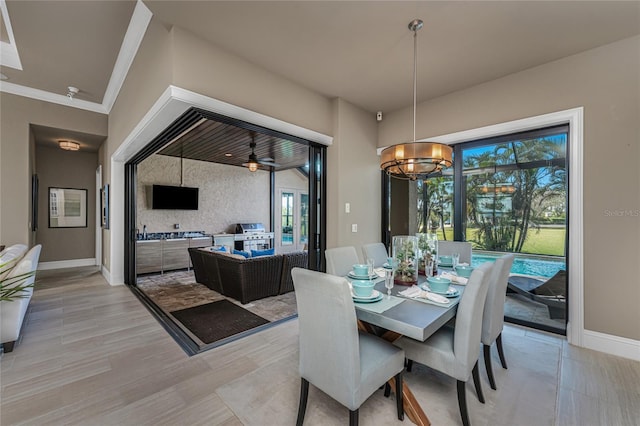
column 446, row 248
column 493, row 318
column 329, row 345
column 340, row 260
column 377, row 252
column 466, row 342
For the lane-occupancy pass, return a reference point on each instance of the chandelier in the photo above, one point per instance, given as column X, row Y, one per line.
column 414, row 160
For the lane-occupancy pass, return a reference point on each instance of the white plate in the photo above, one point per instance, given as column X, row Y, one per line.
column 362, row 277
column 359, row 300
column 451, row 292
column 374, row 294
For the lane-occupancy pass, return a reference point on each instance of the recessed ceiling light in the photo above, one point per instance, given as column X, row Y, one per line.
column 3, row 77
column 228, row 154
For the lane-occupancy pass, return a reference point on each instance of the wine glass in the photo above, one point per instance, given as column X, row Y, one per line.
column 388, row 281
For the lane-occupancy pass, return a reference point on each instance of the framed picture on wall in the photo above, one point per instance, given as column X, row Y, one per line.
column 104, row 206
column 67, row 208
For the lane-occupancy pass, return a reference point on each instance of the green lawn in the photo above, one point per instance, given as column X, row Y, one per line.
column 549, row 241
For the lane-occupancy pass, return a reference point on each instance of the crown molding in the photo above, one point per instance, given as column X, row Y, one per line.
column 9, row 56
column 133, row 38
column 140, row 20
column 30, row 92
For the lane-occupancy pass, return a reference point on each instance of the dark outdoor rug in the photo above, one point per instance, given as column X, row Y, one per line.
column 215, row 321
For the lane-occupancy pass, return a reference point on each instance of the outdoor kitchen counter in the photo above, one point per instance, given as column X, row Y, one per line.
column 166, row 254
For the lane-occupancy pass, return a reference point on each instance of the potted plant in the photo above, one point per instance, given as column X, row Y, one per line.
column 13, row 287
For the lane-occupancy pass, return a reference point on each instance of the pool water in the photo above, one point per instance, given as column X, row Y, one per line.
column 524, row 266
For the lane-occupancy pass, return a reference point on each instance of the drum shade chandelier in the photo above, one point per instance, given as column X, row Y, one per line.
column 414, row 160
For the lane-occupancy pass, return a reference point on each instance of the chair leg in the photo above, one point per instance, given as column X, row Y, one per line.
column 353, row 417
column 500, row 351
column 409, row 365
column 8, row 346
column 462, row 403
column 399, row 400
column 302, row 408
column 387, row 390
column 487, row 365
column 476, row 382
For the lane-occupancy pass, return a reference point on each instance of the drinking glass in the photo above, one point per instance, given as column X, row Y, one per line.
column 388, row 282
column 455, row 257
column 370, row 263
column 429, row 267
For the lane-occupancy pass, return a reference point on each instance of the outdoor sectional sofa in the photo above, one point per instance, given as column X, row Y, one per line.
column 245, row 279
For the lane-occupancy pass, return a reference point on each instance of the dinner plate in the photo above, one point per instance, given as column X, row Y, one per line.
column 362, row 277
column 365, row 300
column 374, row 294
column 451, row 292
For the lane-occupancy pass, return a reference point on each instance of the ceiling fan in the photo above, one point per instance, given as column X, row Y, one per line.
column 254, row 161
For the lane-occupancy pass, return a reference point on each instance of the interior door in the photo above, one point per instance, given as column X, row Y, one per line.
column 292, row 221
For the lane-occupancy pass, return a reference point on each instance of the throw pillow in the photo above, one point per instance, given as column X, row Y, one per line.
column 243, row 253
column 220, row 248
column 267, row 252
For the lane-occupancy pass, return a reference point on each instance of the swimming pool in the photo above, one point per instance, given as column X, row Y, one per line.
column 524, row 265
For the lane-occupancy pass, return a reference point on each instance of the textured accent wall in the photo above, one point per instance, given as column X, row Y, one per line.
column 228, row 195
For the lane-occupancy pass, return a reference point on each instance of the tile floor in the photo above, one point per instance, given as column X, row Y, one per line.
column 92, row 354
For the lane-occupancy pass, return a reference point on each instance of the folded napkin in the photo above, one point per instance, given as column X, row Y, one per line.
column 380, row 272
column 454, row 278
column 414, row 292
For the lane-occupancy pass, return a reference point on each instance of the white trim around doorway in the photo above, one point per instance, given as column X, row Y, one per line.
column 173, row 102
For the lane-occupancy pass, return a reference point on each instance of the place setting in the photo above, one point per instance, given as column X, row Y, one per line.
column 365, row 295
column 438, row 290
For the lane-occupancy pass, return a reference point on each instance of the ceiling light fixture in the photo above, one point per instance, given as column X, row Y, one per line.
column 68, row 145
column 415, row 160
column 72, row 92
column 252, row 164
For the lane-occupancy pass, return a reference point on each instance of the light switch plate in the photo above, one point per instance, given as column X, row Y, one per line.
column 354, row 227
column 347, row 207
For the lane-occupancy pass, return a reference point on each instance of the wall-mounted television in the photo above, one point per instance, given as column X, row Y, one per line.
column 165, row 197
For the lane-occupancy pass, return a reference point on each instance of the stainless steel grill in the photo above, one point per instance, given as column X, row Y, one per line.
column 252, row 236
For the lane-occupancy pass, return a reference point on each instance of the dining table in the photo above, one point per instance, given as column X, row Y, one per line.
column 417, row 318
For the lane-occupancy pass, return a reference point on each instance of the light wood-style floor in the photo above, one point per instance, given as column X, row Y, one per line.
column 91, row 354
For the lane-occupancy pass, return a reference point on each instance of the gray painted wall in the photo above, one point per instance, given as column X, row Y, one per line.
column 66, row 169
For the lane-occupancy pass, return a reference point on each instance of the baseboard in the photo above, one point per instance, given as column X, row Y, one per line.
column 610, row 344
column 107, row 275
column 61, row 264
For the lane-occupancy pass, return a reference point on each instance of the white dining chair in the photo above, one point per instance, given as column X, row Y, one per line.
column 340, row 260
column 454, row 351
column 447, row 248
column 493, row 318
column 377, row 252
column 335, row 357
